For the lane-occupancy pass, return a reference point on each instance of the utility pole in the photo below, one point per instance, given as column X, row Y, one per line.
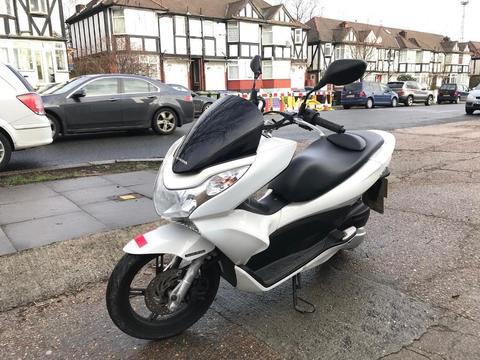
column 464, row 4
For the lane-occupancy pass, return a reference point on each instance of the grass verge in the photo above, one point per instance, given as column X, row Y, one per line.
column 92, row 170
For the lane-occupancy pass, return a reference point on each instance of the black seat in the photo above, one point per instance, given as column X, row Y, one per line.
column 324, row 164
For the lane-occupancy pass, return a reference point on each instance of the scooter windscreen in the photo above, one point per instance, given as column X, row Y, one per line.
column 229, row 129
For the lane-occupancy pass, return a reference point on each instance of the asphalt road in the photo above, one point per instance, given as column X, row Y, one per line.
column 138, row 145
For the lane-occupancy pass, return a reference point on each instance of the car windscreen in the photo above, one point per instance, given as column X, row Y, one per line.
column 395, row 85
column 448, row 87
column 65, row 86
column 353, row 87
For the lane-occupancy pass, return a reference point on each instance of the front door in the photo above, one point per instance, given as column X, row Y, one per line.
column 101, row 108
column 40, row 67
column 195, row 75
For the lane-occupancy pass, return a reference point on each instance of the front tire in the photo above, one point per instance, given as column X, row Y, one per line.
column 469, row 111
column 5, row 151
column 409, row 101
column 429, row 101
column 457, row 100
column 394, row 102
column 165, row 121
column 55, row 126
column 155, row 326
column 369, row 103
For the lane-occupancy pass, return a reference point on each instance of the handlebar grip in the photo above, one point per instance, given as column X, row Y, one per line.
column 317, row 120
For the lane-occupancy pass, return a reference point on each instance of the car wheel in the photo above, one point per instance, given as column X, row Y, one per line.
column 369, row 103
column 206, row 106
column 409, row 101
column 54, row 125
column 439, row 102
column 165, row 121
column 394, row 102
column 429, row 101
column 346, row 107
column 5, row 151
column 469, row 111
column 457, row 100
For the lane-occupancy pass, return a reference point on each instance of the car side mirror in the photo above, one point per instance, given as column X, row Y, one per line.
column 79, row 93
column 193, row 94
column 424, row 89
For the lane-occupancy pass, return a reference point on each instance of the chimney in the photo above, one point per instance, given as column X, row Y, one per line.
column 446, row 38
column 79, row 8
column 343, row 24
column 403, row 34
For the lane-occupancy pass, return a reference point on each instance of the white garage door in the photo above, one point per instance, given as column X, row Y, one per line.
column 215, row 76
column 176, row 73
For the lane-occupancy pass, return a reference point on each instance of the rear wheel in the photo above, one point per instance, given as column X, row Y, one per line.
column 165, row 121
column 439, row 102
column 54, row 125
column 429, row 101
column 394, row 102
column 409, row 101
column 138, row 293
column 5, row 151
column 469, row 111
column 457, row 100
column 369, row 103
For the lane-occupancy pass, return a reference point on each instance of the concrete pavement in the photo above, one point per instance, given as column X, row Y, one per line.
column 42, row 213
column 410, row 291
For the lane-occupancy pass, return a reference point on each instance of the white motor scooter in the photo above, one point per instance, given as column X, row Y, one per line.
column 240, row 205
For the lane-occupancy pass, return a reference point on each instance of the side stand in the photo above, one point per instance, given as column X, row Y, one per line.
column 308, row 307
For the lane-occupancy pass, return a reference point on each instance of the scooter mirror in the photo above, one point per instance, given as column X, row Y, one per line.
column 341, row 72
column 256, row 66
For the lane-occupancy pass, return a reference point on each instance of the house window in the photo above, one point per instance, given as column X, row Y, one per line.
column 328, row 49
column 4, row 55
column 6, row 7
column 208, row 28
column 233, row 71
column 150, row 44
column 245, row 50
column 253, row 50
column 136, row 44
column 267, row 35
column 233, row 50
column 38, row 6
column 403, row 56
column 298, row 36
column 267, row 70
column 279, row 52
column 23, row 59
column 232, row 32
column 60, row 57
column 340, row 52
column 118, row 21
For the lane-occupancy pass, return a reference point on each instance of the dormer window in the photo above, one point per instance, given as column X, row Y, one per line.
column 38, row 6
column 6, row 7
column 298, row 36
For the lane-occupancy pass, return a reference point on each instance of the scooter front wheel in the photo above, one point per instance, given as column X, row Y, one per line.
column 138, row 292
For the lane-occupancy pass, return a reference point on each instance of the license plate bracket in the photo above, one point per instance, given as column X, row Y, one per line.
column 374, row 197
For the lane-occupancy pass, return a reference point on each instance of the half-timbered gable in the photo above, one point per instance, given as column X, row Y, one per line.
column 32, row 39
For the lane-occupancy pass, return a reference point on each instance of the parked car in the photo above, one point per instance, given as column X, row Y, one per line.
column 454, row 93
column 23, row 123
column 368, row 94
column 200, row 103
column 410, row 92
column 110, row 102
column 473, row 101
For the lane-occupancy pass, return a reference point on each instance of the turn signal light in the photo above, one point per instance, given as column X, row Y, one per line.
column 33, row 101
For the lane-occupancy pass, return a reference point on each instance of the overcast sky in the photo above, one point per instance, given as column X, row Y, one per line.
column 437, row 16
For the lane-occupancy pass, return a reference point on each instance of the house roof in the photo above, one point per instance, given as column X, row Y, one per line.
column 220, row 9
column 332, row 30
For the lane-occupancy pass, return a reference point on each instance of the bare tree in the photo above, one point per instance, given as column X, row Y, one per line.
column 302, row 10
column 366, row 48
column 119, row 59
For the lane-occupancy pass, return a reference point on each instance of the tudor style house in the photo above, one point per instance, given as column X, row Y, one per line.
column 432, row 59
column 32, row 39
column 204, row 45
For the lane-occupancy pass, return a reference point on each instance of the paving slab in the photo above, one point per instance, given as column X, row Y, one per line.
column 36, row 209
column 133, row 178
column 144, row 189
column 78, row 183
column 6, row 246
column 15, row 194
column 39, row 232
column 96, row 194
column 117, row 214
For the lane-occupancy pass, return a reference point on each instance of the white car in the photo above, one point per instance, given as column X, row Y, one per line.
column 473, row 101
column 23, row 123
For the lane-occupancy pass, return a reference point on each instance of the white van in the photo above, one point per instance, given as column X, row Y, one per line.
column 23, row 123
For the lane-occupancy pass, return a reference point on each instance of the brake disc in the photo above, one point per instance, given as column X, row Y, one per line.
column 158, row 290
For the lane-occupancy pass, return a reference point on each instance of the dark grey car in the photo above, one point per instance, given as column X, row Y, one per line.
column 110, row 102
column 200, row 103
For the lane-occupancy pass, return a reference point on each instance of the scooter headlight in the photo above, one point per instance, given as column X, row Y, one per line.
column 179, row 204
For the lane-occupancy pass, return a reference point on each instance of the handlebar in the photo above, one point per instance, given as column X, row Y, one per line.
column 308, row 115
column 317, row 120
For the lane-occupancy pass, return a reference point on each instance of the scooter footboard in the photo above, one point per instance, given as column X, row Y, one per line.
column 170, row 239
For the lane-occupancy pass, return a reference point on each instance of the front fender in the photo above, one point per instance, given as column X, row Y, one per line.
column 173, row 239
